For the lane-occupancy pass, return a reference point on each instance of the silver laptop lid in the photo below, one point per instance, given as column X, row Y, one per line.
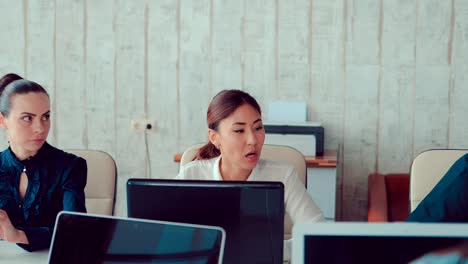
column 86, row 238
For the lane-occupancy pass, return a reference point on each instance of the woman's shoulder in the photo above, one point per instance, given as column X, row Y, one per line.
column 3, row 156
column 198, row 169
column 62, row 156
column 3, row 152
column 206, row 163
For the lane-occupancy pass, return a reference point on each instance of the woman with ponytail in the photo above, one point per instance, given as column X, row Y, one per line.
column 236, row 137
column 37, row 181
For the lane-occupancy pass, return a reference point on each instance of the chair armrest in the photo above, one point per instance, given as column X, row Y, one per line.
column 397, row 185
column 377, row 210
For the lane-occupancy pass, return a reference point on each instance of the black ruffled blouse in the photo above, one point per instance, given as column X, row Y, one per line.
column 56, row 182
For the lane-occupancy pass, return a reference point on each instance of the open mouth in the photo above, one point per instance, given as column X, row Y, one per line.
column 251, row 154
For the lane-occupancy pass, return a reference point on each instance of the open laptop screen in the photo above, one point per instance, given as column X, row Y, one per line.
column 373, row 243
column 82, row 238
column 252, row 213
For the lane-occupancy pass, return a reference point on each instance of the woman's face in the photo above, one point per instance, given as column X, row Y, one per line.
column 28, row 124
column 240, row 138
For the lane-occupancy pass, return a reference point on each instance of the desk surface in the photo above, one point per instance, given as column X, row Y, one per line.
column 11, row 253
column 328, row 160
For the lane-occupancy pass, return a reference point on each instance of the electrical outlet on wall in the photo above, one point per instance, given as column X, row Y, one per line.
column 143, row 124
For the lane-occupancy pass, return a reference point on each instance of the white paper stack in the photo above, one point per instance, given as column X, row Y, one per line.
column 285, row 111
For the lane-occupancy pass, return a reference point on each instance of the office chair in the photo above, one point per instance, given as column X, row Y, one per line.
column 427, row 169
column 101, row 182
column 269, row 152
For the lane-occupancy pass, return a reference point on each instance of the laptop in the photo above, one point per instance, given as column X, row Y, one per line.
column 372, row 242
column 251, row 213
column 85, row 238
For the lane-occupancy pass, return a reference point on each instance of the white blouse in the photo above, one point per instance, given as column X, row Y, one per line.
column 299, row 204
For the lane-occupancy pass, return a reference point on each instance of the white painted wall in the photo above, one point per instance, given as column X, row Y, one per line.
column 386, row 78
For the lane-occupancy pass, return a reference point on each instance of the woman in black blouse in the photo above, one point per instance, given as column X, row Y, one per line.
column 37, row 181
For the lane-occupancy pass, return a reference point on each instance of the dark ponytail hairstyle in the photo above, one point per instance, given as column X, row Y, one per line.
column 12, row 84
column 222, row 106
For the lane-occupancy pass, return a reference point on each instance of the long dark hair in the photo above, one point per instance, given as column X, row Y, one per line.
column 222, row 106
column 12, row 84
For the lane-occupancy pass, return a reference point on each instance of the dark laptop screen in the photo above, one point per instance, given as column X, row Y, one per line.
column 371, row 249
column 252, row 213
column 81, row 238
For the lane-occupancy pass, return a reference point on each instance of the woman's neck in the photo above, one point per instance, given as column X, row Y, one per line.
column 233, row 173
column 20, row 153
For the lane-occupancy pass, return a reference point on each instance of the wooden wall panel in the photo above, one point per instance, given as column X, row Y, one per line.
column 293, row 49
column 433, row 32
column 363, row 31
column 359, row 127
column 259, row 51
column 398, row 32
column 39, row 51
column 100, row 72
column 431, row 108
column 163, row 85
column 226, row 45
column 12, row 39
column 458, row 129
column 360, row 137
column 70, row 92
column 396, row 119
column 129, row 93
column 327, row 50
column 396, row 107
column 194, row 77
column 431, row 124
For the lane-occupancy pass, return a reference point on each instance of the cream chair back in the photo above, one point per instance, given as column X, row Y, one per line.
column 101, row 181
column 427, row 169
